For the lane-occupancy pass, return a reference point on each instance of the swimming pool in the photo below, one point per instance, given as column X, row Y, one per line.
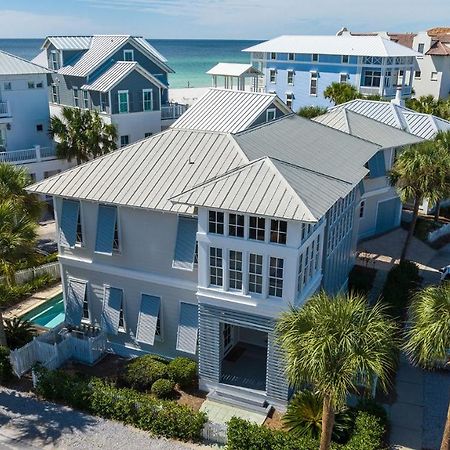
column 49, row 314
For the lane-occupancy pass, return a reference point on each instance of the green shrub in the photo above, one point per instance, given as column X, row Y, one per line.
column 360, row 279
column 368, row 433
column 373, row 408
column 18, row 332
column 6, row 372
column 140, row 373
column 163, row 388
column 310, row 112
column 182, row 371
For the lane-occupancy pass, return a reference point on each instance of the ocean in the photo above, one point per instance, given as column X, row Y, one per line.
column 189, row 58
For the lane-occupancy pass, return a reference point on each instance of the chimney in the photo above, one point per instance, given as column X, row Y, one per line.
column 398, row 97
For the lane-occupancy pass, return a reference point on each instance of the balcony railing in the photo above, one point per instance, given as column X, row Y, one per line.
column 172, row 111
column 4, row 109
column 29, row 155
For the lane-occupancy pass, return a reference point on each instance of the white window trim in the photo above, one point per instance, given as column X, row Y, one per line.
column 144, row 91
column 315, row 60
column 436, row 78
column 77, row 97
column 86, row 99
column 289, row 59
column 290, row 72
column 314, row 75
column 348, row 59
column 128, row 101
column 342, row 74
column 275, row 76
column 128, row 51
column 270, row 56
column 271, row 110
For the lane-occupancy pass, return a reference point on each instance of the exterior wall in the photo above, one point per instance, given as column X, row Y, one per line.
column 65, row 85
column 263, row 117
column 44, row 169
column 136, row 125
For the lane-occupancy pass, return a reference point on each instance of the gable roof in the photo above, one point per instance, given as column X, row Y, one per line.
column 68, row 42
column 366, row 128
column 228, row 111
column 116, row 73
column 334, row 45
column 233, row 69
column 14, row 65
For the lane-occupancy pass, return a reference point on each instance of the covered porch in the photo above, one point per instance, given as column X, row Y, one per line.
column 241, row 77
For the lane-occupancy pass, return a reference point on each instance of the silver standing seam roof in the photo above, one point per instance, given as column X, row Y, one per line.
column 14, row 65
column 68, row 42
column 227, row 110
column 316, row 163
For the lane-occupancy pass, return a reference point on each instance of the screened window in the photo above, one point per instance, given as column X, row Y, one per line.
column 236, row 225
column 257, row 228
column 76, row 98
column 216, row 222
column 235, row 272
column 255, row 270
column 276, row 277
column 273, row 75
column 124, row 106
column 290, row 77
column 128, row 55
column 278, row 231
column 313, row 83
column 215, row 266
column 291, row 56
column 147, row 99
column 85, row 306
column 372, row 78
column 86, row 99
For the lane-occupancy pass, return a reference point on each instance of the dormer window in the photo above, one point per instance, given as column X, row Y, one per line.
column 128, row 55
column 54, row 60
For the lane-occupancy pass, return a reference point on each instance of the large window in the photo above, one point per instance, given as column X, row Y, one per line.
column 54, row 60
column 216, row 222
column 215, row 266
column 372, row 78
column 124, row 105
column 276, row 277
column 313, row 83
column 235, row 272
column 147, row 100
column 278, row 231
column 85, row 306
column 255, row 270
column 236, row 225
column 257, row 228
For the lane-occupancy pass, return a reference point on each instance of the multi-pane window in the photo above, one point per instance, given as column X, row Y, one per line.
column 85, row 306
column 276, row 277
column 235, row 269
column 255, row 270
column 54, row 60
column 300, row 274
column 79, row 238
column 289, row 99
column 103, row 101
column 54, row 93
column 278, row 231
column 291, row 56
column 257, row 228
column 76, row 98
column 147, row 99
column 273, row 75
column 86, row 99
column 372, row 78
column 313, row 83
column 306, row 267
column 123, row 102
column 290, row 77
column 421, row 48
column 215, row 266
column 236, row 225
column 216, row 222
column 316, row 262
column 116, row 241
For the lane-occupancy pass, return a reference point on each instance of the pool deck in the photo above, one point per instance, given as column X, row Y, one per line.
column 37, row 299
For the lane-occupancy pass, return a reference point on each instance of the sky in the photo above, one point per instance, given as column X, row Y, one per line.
column 216, row 19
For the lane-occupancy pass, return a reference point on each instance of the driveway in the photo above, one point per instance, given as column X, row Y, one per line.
column 27, row 423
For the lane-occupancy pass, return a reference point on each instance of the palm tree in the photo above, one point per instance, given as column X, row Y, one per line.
column 428, row 337
column 341, row 92
column 418, row 173
column 443, row 140
column 330, row 342
column 82, row 134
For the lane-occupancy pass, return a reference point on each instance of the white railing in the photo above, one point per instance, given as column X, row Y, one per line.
column 172, row 111
column 4, row 109
column 25, row 275
column 215, row 433
column 29, row 155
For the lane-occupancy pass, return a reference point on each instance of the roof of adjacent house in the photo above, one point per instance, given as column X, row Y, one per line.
column 103, row 46
column 334, row 45
column 319, row 164
column 425, row 126
column 233, row 70
column 227, row 110
column 14, row 65
column 68, row 42
column 117, row 72
column 367, row 128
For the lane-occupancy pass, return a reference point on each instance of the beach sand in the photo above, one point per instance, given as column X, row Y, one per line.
column 186, row 96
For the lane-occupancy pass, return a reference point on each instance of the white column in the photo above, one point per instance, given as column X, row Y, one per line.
column 37, row 148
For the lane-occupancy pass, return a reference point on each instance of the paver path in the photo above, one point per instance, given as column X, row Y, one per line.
column 26, row 422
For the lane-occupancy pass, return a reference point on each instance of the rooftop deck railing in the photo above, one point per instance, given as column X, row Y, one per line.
column 4, row 109
column 29, row 155
column 172, row 111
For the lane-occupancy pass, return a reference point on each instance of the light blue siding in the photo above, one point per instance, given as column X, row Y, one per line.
column 185, row 244
column 106, row 222
column 68, row 223
column 388, row 215
column 377, row 165
column 76, row 290
column 148, row 319
column 111, row 309
column 188, row 328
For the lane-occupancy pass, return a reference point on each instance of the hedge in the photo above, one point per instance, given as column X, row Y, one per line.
column 140, row 373
column 163, row 388
column 182, row 371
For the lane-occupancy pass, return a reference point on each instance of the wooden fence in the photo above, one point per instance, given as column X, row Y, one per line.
column 25, row 275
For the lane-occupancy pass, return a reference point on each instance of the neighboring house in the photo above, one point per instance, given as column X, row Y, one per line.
column 24, row 117
column 380, row 207
column 121, row 76
column 192, row 242
column 299, row 68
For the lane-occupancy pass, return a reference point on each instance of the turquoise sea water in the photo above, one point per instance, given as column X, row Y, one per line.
column 49, row 314
column 189, row 58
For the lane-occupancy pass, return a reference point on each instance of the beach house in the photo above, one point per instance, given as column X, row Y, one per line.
column 193, row 241
column 122, row 77
column 299, row 68
column 24, row 117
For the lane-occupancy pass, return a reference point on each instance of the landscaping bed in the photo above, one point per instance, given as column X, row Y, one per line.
column 361, row 279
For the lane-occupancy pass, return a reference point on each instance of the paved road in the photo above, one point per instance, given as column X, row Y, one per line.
column 27, row 423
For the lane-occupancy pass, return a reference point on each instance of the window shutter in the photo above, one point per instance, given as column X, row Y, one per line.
column 148, row 319
column 185, row 244
column 377, row 166
column 76, row 290
column 187, row 328
column 106, row 222
column 111, row 309
column 68, row 223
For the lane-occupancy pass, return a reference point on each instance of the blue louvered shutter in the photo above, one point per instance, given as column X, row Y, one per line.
column 185, row 245
column 148, row 319
column 377, row 166
column 76, row 290
column 68, row 223
column 106, row 223
column 187, row 328
column 111, row 309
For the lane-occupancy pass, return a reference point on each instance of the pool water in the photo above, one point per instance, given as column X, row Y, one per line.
column 49, row 314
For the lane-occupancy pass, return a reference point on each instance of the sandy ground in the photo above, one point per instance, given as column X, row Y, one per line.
column 186, row 96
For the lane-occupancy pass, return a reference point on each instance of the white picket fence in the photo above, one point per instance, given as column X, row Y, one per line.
column 25, row 275
column 215, row 432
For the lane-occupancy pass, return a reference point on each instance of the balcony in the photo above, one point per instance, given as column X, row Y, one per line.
column 29, row 155
column 4, row 109
column 172, row 111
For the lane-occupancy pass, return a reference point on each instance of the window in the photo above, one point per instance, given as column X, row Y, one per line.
column 39, row 85
column 345, row 59
column 313, row 83
column 255, row 269
column 361, row 209
column 417, row 74
column 7, row 86
column 316, row 263
column 79, row 232
column 314, row 57
column 300, row 274
column 76, row 100
column 103, row 101
column 434, row 76
column 226, row 336
column 146, row 135
column 290, row 77
column 215, row 266
column 121, row 319
column 128, row 55
column 289, row 99
column 273, row 75
column 291, row 56
column 124, row 140
column 372, row 78
column 55, row 93
column 421, row 48
column 271, row 114
column 273, row 55
column 54, row 60
column 85, row 306
column 196, row 253
column 276, row 277
column 147, row 100
column 39, row 127
column 216, row 222
column 278, row 231
column 31, row 85
column 343, row 77
column 257, row 228
column 124, row 105
column 235, row 265
column 306, row 267
column 236, row 225
column 116, row 242
column 86, row 99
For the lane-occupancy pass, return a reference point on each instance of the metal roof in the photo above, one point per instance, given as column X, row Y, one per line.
column 422, row 125
column 233, row 70
column 227, row 110
column 68, row 42
column 334, row 45
column 41, row 59
column 366, row 128
column 14, row 65
column 117, row 72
